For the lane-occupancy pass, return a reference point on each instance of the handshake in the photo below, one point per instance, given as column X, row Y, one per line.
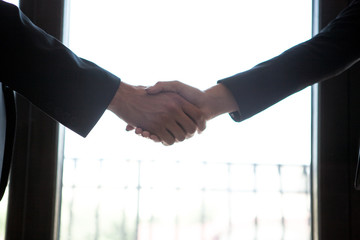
column 170, row 112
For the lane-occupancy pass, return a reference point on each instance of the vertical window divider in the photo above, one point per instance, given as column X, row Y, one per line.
column 34, row 189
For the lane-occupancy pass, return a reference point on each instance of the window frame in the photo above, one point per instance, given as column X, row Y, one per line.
column 34, row 198
column 33, row 205
column 335, row 145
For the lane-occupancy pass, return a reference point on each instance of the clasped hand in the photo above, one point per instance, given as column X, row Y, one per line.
column 173, row 111
column 166, row 117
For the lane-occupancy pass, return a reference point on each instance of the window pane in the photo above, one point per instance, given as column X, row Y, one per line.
column 15, row 2
column 3, row 210
column 234, row 181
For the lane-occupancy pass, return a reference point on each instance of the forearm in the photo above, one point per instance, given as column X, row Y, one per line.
column 328, row 54
column 71, row 90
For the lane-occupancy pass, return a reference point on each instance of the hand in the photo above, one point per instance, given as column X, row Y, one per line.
column 168, row 116
column 193, row 95
column 213, row 102
column 143, row 133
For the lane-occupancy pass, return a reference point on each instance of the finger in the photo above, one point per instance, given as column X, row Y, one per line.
column 145, row 134
column 138, row 130
column 191, row 94
column 187, row 125
column 171, row 86
column 166, row 137
column 177, row 131
column 196, row 115
column 154, row 138
column 186, row 91
column 129, row 128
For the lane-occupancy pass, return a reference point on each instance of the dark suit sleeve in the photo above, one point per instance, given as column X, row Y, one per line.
column 70, row 89
column 332, row 51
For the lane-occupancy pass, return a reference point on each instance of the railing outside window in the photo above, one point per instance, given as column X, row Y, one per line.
column 111, row 199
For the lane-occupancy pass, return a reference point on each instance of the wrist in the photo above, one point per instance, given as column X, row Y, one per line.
column 113, row 106
column 219, row 100
column 122, row 98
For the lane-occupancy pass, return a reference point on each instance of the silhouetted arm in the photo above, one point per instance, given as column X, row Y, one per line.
column 329, row 53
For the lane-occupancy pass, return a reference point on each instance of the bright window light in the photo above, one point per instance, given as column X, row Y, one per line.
column 234, row 181
column 15, row 2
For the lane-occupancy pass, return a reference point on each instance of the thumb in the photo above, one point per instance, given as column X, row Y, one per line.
column 191, row 94
column 162, row 87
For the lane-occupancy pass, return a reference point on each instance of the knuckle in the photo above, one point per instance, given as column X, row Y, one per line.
column 155, row 129
column 199, row 116
column 172, row 107
column 158, row 84
column 164, row 119
column 178, row 100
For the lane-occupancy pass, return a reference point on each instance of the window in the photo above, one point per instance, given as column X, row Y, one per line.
column 233, row 181
column 3, row 206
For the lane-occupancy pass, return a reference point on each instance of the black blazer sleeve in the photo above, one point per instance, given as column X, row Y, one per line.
column 70, row 89
column 332, row 51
